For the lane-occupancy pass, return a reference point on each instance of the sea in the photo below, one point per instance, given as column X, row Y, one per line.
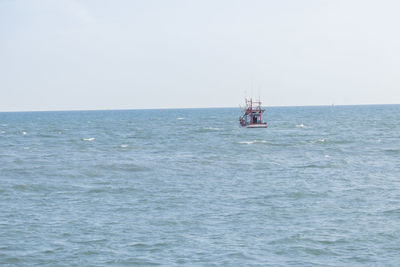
column 189, row 187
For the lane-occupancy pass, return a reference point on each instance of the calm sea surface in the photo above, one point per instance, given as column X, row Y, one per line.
column 319, row 187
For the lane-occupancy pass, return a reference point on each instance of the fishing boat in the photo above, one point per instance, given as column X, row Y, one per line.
column 252, row 115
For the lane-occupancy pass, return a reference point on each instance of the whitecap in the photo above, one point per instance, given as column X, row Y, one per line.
column 4, row 125
column 212, row 128
column 26, row 147
column 321, row 140
column 88, row 139
column 246, row 142
column 179, row 118
column 3, row 132
column 327, row 156
column 302, row 126
column 24, row 133
column 253, row 142
column 123, row 146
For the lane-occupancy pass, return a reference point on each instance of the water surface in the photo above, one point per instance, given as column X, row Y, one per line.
column 319, row 187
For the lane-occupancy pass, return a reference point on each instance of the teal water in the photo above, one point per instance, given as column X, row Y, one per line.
column 319, row 187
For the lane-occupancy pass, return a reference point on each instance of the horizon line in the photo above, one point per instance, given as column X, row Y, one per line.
column 178, row 108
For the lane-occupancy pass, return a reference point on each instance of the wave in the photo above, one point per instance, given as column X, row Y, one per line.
column 45, row 135
column 302, row 126
column 208, row 129
column 253, row 142
column 32, row 187
column 326, row 165
column 321, row 140
column 88, row 139
column 395, row 211
column 392, row 151
column 129, row 167
column 212, row 128
column 330, row 141
column 246, row 142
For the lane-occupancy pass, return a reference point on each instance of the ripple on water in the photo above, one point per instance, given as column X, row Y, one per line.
column 126, row 167
column 329, row 165
column 392, row 151
column 112, row 189
column 31, row 187
column 208, row 129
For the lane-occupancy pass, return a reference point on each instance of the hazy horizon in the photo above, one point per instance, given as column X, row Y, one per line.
column 100, row 55
column 183, row 108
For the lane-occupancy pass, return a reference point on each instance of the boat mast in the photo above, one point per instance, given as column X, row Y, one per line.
column 251, row 110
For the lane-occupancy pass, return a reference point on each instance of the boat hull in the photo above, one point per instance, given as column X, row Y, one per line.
column 257, row 125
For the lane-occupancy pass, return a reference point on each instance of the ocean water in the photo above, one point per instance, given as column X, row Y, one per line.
column 319, row 187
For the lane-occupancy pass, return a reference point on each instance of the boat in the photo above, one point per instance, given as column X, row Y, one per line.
column 252, row 115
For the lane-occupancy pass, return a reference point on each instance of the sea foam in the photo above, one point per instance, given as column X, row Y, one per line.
column 253, row 142
column 88, row 139
column 302, row 126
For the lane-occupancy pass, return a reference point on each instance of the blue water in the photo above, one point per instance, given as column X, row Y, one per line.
column 319, row 187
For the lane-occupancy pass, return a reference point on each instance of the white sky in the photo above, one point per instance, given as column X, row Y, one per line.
column 91, row 54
